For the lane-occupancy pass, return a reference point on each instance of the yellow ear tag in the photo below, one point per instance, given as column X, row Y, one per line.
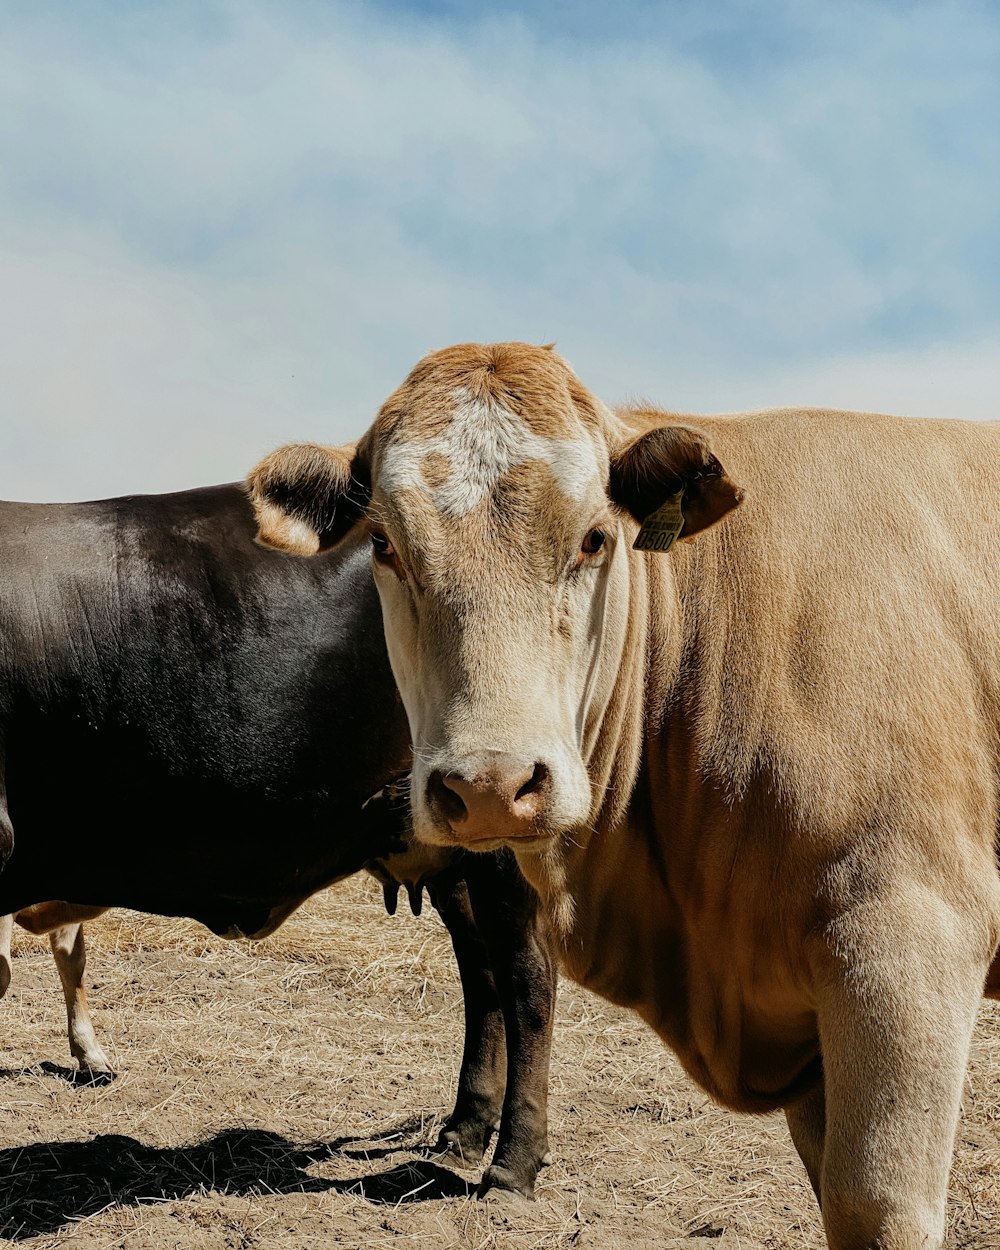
column 660, row 529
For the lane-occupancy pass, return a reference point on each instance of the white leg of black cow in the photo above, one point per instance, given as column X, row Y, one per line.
column 71, row 959
column 899, row 987
column 807, row 1125
column 6, row 931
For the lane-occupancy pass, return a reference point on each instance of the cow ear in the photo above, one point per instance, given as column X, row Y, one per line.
column 307, row 497
column 670, row 468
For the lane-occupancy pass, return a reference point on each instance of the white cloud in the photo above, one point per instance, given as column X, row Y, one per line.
column 226, row 225
column 939, row 380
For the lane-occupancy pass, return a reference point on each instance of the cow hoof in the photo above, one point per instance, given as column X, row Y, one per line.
column 499, row 1184
column 461, row 1153
column 95, row 1068
column 94, row 1076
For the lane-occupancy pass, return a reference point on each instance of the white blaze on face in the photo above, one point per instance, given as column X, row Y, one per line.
column 480, row 444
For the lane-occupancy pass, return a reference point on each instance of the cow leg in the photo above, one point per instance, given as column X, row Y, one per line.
column 899, row 986
column 70, row 955
column 6, row 933
column 509, row 916
column 807, row 1125
column 6, row 846
column 481, row 1081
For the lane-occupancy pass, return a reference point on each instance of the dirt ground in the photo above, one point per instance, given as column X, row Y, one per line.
column 283, row 1095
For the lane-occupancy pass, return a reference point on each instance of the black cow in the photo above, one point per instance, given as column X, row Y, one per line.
column 190, row 725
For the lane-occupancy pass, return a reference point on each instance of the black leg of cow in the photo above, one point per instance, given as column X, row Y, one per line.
column 510, row 919
column 481, row 1081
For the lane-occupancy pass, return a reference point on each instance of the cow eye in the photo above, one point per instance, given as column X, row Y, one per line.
column 593, row 542
column 381, row 544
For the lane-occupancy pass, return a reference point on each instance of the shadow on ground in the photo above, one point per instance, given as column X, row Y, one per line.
column 49, row 1185
column 72, row 1076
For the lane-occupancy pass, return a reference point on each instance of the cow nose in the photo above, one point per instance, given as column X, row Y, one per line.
column 491, row 796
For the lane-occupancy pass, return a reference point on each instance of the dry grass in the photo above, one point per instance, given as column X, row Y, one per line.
column 281, row 1095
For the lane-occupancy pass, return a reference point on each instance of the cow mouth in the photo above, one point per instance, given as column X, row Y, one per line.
column 442, row 833
column 496, row 842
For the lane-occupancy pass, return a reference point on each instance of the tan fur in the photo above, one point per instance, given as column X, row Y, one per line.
column 435, row 468
column 285, row 533
column 305, row 497
column 63, row 923
column 786, row 850
column 532, row 382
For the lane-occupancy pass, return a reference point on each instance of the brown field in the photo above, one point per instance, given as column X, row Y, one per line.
column 283, row 1095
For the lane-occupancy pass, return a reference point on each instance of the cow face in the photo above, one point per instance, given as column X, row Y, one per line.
column 501, row 500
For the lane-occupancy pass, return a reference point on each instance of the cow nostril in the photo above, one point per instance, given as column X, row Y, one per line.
column 489, row 796
column 533, row 789
column 448, row 801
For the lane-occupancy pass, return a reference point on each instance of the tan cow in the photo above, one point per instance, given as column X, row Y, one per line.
column 755, row 775
column 62, row 922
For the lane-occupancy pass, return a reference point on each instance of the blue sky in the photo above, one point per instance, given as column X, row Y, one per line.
column 226, row 225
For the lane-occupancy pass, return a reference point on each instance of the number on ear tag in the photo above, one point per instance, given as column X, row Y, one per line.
column 660, row 529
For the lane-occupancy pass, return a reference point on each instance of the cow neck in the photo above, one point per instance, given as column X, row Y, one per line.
column 628, row 879
column 640, row 679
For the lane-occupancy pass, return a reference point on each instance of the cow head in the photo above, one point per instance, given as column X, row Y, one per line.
column 502, row 500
